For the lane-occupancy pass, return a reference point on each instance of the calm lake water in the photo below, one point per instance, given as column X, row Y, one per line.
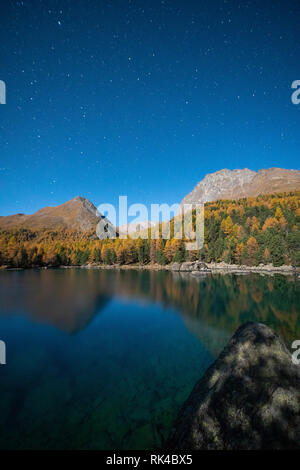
column 102, row 359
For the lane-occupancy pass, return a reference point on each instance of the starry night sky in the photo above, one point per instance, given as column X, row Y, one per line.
column 142, row 98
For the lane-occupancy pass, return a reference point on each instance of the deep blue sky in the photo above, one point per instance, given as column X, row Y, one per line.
column 142, row 98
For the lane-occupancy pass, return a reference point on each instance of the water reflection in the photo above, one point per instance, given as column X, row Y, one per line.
column 67, row 300
column 101, row 359
column 211, row 306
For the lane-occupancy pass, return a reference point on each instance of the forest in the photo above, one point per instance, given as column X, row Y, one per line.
column 251, row 231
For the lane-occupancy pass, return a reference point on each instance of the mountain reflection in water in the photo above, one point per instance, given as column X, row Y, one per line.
column 104, row 359
column 212, row 306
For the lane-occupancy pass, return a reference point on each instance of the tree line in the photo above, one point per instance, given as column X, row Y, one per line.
column 263, row 229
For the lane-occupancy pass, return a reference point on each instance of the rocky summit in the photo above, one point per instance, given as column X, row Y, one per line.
column 235, row 184
column 248, row 399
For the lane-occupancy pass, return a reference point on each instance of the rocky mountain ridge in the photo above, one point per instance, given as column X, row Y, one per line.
column 80, row 214
column 236, row 184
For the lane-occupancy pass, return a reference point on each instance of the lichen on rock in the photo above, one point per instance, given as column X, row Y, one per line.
column 248, row 399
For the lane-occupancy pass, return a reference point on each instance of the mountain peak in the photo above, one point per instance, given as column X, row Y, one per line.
column 78, row 198
column 238, row 183
column 76, row 214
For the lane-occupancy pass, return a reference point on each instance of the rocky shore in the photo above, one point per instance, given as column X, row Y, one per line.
column 193, row 267
column 198, row 267
column 248, row 399
column 261, row 268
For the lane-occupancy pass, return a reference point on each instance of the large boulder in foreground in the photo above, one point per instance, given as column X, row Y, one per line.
column 248, row 399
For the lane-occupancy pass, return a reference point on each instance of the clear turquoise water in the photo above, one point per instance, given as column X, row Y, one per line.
column 104, row 359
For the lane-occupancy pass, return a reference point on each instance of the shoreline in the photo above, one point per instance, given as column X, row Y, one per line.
column 197, row 267
column 194, row 268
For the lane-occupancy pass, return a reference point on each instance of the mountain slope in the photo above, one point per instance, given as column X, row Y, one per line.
column 235, row 184
column 77, row 214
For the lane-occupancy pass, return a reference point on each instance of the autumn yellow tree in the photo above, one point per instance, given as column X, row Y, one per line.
column 252, row 247
column 278, row 213
column 239, row 252
column 267, row 256
column 227, row 226
column 270, row 222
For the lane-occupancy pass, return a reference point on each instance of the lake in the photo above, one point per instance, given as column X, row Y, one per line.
column 104, row 359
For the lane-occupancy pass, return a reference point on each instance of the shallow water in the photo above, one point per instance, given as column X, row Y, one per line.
column 104, row 359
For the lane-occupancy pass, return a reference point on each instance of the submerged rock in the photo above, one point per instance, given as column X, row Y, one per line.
column 248, row 399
